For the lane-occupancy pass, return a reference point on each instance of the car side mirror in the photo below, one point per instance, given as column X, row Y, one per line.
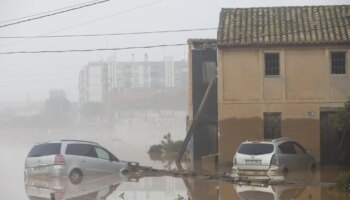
column 114, row 159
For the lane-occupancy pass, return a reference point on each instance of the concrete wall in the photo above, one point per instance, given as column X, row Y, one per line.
column 305, row 84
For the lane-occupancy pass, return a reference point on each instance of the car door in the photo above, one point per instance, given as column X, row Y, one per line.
column 82, row 156
column 105, row 160
column 288, row 157
column 302, row 158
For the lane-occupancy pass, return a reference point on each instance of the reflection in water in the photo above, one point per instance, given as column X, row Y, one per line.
column 110, row 187
column 153, row 188
column 300, row 186
column 91, row 188
column 268, row 192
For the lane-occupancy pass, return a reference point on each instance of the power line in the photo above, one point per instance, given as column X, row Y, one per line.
column 289, row 32
column 108, row 16
column 91, row 21
column 111, row 49
column 108, row 34
column 89, row 50
column 46, row 12
column 36, row 80
column 55, row 13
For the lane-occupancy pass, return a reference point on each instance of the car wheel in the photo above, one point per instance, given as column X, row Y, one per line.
column 76, row 176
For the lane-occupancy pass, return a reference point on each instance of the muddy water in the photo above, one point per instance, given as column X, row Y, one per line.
column 15, row 145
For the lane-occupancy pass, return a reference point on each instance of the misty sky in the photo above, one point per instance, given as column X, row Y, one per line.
column 31, row 76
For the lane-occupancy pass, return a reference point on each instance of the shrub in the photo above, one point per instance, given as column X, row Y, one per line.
column 343, row 182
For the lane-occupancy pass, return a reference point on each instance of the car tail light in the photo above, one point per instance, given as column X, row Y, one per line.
column 274, row 160
column 59, row 160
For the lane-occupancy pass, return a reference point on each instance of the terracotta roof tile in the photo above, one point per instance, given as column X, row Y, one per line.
column 284, row 25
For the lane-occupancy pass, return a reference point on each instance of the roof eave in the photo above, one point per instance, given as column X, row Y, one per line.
column 280, row 45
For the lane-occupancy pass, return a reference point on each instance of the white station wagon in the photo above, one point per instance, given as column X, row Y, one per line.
column 277, row 157
column 72, row 158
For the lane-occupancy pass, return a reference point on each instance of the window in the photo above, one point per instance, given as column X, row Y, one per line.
column 298, row 148
column 255, row 149
column 45, row 150
column 338, row 62
column 272, row 64
column 272, row 125
column 101, row 153
column 287, row 148
column 81, row 150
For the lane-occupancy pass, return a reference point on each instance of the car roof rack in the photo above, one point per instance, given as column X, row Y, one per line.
column 79, row 141
column 281, row 139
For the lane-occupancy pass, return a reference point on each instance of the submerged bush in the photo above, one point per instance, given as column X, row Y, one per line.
column 343, row 182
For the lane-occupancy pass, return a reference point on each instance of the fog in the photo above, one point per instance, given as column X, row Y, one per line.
column 32, row 76
column 31, row 113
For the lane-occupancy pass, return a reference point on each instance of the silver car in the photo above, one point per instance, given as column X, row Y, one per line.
column 271, row 159
column 72, row 158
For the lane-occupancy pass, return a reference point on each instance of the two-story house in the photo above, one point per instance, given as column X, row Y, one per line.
column 282, row 72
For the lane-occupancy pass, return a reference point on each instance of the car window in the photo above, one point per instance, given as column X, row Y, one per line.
column 298, row 148
column 255, row 194
column 101, row 153
column 287, row 148
column 45, row 150
column 114, row 158
column 255, row 148
column 81, row 150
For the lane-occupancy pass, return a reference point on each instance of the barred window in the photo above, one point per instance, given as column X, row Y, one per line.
column 338, row 62
column 272, row 64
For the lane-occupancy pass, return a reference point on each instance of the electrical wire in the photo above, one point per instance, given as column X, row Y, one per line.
column 108, row 16
column 139, row 47
column 36, row 80
column 89, row 50
column 107, row 34
column 52, row 14
column 46, row 12
column 89, row 22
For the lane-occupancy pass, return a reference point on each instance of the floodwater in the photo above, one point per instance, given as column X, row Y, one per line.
column 16, row 144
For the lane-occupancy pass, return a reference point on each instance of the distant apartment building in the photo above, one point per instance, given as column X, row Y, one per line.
column 149, row 74
column 92, row 82
column 126, row 75
column 98, row 78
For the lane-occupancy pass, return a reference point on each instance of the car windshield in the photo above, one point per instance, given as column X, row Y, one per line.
column 45, row 150
column 255, row 149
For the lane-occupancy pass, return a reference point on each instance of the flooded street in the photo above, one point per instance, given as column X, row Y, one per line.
column 13, row 185
column 19, row 143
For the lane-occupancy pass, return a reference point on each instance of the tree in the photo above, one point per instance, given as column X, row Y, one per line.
column 166, row 151
column 342, row 119
column 155, row 152
column 57, row 106
column 341, row 122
